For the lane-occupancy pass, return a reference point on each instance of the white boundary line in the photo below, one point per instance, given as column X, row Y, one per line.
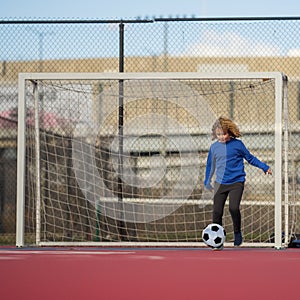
column 65, row 252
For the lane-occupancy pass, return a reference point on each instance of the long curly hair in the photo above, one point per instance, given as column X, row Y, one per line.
column 227, row 125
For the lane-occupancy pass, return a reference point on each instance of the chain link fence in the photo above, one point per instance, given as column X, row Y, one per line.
column 158, row 45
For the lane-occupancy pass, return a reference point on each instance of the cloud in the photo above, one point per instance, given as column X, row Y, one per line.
column 230, row 44
column 293, row 52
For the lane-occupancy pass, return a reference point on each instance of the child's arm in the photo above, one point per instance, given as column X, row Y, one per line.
column 254, row 161
column 210, row 169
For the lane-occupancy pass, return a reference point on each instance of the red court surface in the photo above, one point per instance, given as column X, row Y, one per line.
column 166, row 274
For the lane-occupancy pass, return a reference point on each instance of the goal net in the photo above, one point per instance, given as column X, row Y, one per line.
column 119, row 158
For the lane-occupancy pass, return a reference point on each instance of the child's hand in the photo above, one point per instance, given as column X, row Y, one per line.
column 269, row 172
column 209, row 187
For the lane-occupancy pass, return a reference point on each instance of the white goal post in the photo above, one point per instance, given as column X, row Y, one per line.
column 119, row 158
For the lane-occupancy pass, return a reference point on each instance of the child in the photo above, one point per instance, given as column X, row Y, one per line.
column 226, row 157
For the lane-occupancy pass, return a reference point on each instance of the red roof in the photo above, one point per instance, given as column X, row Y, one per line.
column 9, row 119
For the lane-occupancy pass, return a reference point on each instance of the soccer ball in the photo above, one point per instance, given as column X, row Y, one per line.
column 214, row 235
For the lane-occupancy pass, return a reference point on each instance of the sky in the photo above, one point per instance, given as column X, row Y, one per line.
column 131, row 9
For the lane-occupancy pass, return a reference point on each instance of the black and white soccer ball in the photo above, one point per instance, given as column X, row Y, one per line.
column 214, row 235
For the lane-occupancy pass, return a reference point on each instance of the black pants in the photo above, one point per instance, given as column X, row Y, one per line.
column 235, row 192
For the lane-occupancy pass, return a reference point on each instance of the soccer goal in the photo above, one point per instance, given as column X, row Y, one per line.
column 119, row 158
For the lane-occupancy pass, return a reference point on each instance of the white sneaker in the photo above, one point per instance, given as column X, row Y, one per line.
column 219, row 248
